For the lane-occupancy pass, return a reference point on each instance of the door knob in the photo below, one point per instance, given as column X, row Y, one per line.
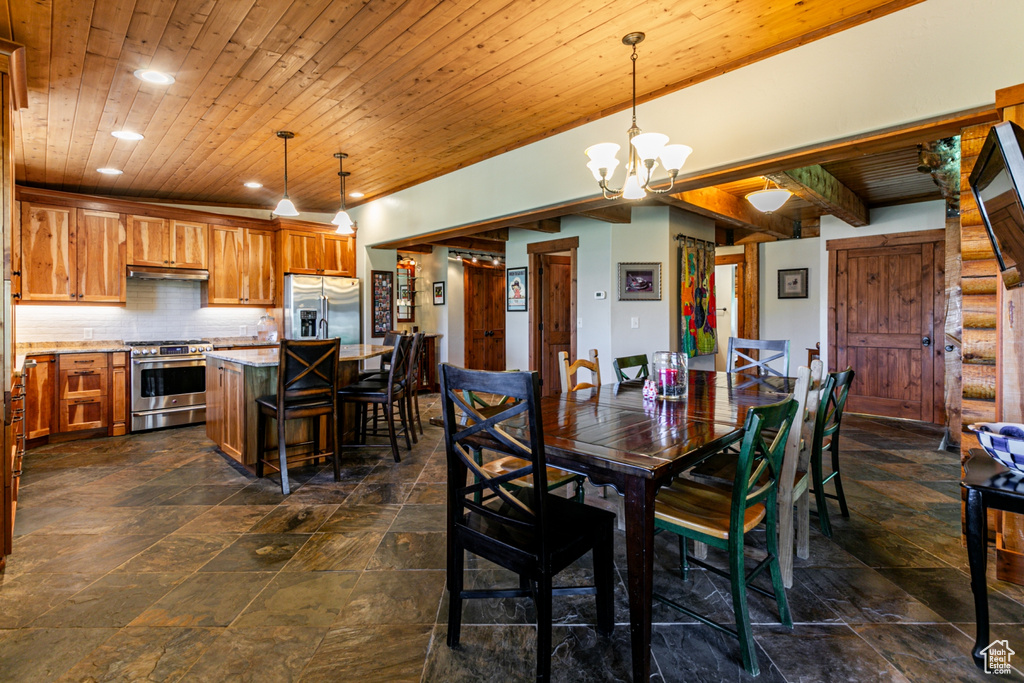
column 926, row 341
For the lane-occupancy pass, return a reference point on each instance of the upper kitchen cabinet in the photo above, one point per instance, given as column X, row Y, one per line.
column 167, row 243
column 317, row 253
column 72, row 254
column 241, row 267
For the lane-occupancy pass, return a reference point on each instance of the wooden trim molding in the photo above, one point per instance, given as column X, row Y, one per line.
column 550, row 246
column 894, row 240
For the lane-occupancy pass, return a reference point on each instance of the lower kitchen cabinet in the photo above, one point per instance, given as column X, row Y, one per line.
column 40, row 397
column 225, row 407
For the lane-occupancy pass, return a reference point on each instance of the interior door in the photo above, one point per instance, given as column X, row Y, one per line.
column 484, row 317
column 888, row 308
column 556, row 317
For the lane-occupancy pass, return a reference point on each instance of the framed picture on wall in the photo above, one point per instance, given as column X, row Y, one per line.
column 640, row 282
column 383, row 298
column 793, row 283
column 439, row 293
column 515, row 289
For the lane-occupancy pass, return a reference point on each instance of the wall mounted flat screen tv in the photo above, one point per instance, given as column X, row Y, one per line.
column 997, row 181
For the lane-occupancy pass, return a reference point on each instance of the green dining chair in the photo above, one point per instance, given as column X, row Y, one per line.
column 628, row 363
column 721, row 516
column 835, row 391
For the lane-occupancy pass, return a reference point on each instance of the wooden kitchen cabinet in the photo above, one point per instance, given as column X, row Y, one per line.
column 72, row 254
column 83, row 391
column 117, row 381
column 317, row 253
column 241, row 267
column 40, row 397
column 167, row 243
column 225, row 406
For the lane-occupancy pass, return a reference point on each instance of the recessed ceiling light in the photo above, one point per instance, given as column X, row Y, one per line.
column 110, row 171
column 157, row 77
column 126, row 135
column 253, row 185
column 355, row 195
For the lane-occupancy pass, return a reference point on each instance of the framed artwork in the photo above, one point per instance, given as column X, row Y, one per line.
column 640, row 282
column 515, row 289
column 439, row 294
column 698, row 334
column 793, row 283
column 382, row 285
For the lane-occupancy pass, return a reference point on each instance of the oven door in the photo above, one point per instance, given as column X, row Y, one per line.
column 168, row 383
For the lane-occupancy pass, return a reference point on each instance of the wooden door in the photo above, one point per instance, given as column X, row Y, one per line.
column 484, row 290
column 148, row 241
column 886, row 306
column 556, row 318
column 100, row 245
column 300, row 252
column 227, row 265
column 259, row 268
column 338, row 256
column 188, row 244
column 40, row 385
column 47, row 249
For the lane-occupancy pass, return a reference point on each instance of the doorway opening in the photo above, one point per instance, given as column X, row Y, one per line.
column 552, row 306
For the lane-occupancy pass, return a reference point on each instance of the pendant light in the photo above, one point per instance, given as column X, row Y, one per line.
column 768, row 200
column 285, row 206
column 342, row 219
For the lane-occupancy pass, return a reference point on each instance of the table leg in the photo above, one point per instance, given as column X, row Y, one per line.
column 639, row 511
column 977, row 550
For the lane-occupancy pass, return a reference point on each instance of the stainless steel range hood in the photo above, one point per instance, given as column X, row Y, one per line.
column 158, row 273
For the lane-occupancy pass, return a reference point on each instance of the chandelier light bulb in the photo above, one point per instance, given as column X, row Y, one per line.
column 632, row 189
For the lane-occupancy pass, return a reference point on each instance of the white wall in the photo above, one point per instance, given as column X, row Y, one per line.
column 797, row 320
column 455, row 349
column 155, row 309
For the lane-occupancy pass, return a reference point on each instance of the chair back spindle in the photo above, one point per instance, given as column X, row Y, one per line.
column 567, row 372
column 739, row 361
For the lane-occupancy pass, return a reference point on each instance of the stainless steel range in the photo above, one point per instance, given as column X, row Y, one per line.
column 168, row 383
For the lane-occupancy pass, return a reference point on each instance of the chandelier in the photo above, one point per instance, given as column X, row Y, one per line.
column 768, row 199
column 645, row 149
column 342, row 219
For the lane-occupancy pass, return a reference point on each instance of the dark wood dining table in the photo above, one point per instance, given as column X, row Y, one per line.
column 613, row 436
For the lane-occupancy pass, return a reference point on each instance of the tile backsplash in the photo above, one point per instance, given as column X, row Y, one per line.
column 155, row 309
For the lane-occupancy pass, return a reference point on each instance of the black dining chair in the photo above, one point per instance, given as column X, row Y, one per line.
column 412, row 379
column 527, row 530
column 307, row 372
column 721, row 516
column 835, row 391
column 388, row 392
column 628, row 363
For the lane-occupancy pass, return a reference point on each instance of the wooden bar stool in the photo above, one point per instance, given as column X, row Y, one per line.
column 387, row 392
column 306, row 378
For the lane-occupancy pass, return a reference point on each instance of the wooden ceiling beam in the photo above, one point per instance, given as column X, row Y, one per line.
column 472, row 244
column 729, row 209
column 817, row 186
column 615, row 213
column 419, row 249
column 549, row 225
column 499, row 234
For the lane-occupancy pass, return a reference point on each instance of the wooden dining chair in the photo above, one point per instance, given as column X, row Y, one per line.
column 567, row 371
column 307, row 372
column 721, row 516
column 740, row 359
column 835, row 391
column 628, row 363
column 527, row 530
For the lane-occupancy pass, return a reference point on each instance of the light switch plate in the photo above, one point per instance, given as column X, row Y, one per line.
column 579, row 322
column 634, row 323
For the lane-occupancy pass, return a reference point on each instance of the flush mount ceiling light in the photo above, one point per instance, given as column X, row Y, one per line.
column 644, row 151
column 342, row 219
column 356, row 195
column 768, row 199
column 285, row 206
column 110, row 171
column 253, row 185
column 127, row 135
column 155, row 77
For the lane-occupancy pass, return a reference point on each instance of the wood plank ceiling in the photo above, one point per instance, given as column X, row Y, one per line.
column 410, row 90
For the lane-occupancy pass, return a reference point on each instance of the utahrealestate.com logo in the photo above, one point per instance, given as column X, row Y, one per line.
column 997, row 657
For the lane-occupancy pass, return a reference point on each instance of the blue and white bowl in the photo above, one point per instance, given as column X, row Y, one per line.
column 1004, row 441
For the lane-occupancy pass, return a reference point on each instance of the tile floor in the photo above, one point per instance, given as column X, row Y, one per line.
column 150, row 557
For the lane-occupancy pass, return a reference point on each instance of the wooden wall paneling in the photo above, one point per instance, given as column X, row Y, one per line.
column 48, row 256
column 953, row 329
column 148, row 241
column 227, row 266
column 100, row 244
column 189, row 244
column 260, row 268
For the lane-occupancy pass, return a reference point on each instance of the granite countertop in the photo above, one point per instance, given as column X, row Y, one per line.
column 268, row 356
column 228, row 342
column 40, row 348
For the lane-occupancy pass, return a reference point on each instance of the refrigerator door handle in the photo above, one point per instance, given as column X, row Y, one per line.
column 323, row 318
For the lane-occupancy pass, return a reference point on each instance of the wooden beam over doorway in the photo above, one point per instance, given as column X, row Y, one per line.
column 472, row 244
column 615, row 213
column 723, row 207
column 819, row 187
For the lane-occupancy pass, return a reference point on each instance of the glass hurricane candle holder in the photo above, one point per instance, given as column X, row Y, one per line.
column 670, row 375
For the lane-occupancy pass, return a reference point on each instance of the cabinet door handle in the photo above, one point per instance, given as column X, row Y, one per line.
column 84, row 372
column 90, row 362
column 85, row 400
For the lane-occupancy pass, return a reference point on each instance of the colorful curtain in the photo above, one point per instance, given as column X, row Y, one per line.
column 697, row 297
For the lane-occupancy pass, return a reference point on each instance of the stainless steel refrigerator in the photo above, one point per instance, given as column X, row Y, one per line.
column 319, row 307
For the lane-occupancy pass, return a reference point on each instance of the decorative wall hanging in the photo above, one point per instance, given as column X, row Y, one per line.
column 698, row 326
column 439, row 293
column 515, row 289
column 382, row 282
column 793, row 283
column 640, row 282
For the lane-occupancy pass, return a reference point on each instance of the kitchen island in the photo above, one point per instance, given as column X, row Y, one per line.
column 235, row 379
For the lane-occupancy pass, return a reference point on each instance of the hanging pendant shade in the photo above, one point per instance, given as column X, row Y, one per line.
column 768, row 199
column 342, row 219
column 285, row 206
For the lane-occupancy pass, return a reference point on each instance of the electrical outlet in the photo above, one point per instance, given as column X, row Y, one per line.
column 579, row 322
column 87, row 333
column 243, row 330
column 634, row 323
